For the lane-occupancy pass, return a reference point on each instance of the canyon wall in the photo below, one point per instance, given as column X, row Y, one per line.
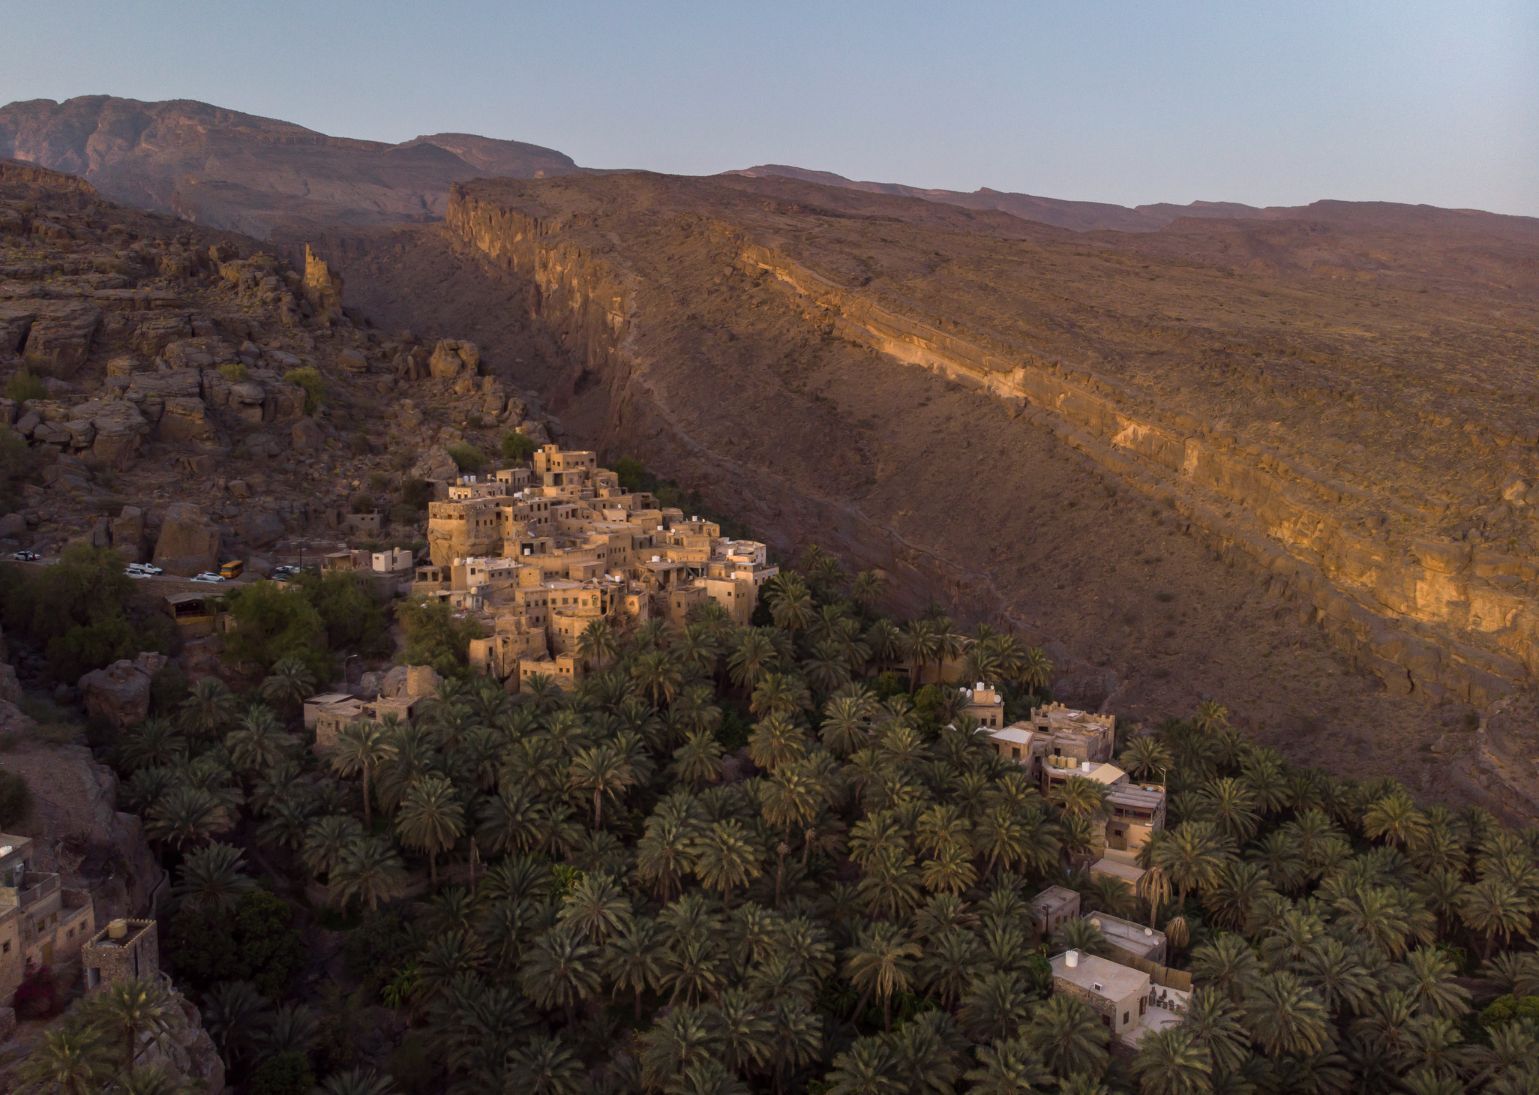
column 1438, row 618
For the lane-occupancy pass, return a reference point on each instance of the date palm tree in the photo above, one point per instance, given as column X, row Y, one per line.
column 1284, row 1016
column 776, row 742
column 597, row 646
column 790, row 601
column 209, row 708
column 880, row 964
column 1172, row 1062
column 698, row 761
column 1395, row 819
column 753, row 655
column 995, row 1006
column 560, row 970
column 601, row 771
column 545, row 1065
column 1494, row 909
column 1036, row 669
column 659, row 675
column 1211, row 717
column 1008, row 1067
column 69, row 1059
column 288, row 684
column 186, row 816
column 370, row 871
column 212, row 879
column 131, row 1012
column 361, row 748
column 1191, row 855
column 1068, row 1037
column 1145, row 757
column 360, row 1081
column 632, row 959
column 596, row 907
column 724, row 858
column 431, row 819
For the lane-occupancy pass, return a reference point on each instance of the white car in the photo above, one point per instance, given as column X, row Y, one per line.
column 148, row 568
column 134, row 570
column 26, row 556
column 208, row 576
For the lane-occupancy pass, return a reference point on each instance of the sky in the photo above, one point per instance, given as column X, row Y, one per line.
column 1260, row 102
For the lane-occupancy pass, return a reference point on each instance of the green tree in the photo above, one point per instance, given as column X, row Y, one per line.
column 431, row 818
column 435, row 636
column 273, row 623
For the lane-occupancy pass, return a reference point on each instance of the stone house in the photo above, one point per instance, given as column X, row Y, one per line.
column 42, row 922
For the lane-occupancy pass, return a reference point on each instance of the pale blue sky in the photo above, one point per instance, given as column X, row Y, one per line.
column 1269, row 103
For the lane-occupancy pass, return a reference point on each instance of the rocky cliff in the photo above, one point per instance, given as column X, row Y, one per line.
column 695, row 319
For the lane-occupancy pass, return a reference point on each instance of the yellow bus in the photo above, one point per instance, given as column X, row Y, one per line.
column 232, row 570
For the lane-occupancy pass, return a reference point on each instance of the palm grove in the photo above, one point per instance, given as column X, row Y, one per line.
column 760, row 859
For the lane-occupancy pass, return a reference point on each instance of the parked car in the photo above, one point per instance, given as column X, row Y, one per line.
column 149, row 568
column 134, row 570
column 26, row 556
column 208, row 576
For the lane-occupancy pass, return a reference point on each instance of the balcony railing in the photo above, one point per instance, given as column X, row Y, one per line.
column 36, row 887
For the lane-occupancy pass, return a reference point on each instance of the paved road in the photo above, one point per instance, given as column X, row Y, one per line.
column 171, row 583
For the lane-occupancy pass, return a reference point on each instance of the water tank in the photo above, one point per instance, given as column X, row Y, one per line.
column 1071, row 959
column 117, row 930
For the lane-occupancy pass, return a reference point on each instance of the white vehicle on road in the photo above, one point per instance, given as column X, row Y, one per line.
column 208, row 576
column 26, row 556
column 135, row 570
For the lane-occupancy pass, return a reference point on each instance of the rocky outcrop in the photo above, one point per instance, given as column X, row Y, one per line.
column 452, row 359
column 188, row 541
column 119, row 695
column 322, row 287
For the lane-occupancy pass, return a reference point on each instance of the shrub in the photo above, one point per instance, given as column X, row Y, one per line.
column 15, row 800
column 23, row 386
column 467, row 457
column 517, row 447
column 362, row 502
column 233, row 371
column 310, row 379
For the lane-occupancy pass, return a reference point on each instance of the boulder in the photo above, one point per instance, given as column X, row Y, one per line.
column 188, row 542
column 60, row 337
column 119, row 695
column 434, row 463
column 119, row 429
column 452, row 358
column 127, row 532
column 184, row 419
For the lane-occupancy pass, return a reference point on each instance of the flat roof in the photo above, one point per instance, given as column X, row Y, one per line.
column 1101, row 976
column 1132, row 794
column 1012, row 734
column 1139, row 938
column 330, row 697
column 1128, row 872
column 1054, row 896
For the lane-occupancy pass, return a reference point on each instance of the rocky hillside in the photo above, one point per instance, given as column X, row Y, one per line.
column 1064, row 431
column 181, row 394
column 231, row 170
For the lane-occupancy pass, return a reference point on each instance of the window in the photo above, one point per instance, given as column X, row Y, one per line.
column 1124, row 1018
